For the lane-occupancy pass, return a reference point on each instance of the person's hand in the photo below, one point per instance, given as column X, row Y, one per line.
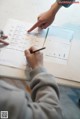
column 3, row 37
column 34, row 59
column 46, row 18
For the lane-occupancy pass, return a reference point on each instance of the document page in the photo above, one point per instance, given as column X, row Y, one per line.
column 19, row 40
column 58, row 45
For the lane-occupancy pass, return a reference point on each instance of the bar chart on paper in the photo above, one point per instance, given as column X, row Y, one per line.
column 58, row 45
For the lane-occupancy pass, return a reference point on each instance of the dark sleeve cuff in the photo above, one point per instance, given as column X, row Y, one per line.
column 65, row 3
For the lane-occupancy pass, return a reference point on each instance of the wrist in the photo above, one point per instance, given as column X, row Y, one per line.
column 55, row 7
column 37, row 71
column 36, row 66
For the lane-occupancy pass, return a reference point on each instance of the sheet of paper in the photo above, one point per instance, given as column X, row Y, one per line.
column 13, row 58
column 58, row 45
column 19, row 40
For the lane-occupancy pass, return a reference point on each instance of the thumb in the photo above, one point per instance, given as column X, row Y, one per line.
column 27, row 53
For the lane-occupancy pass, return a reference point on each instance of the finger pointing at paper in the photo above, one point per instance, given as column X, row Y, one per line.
column 44, row 20
column 37, row 24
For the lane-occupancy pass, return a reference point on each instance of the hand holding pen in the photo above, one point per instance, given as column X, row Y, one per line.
column 3, row 37
column 34, row 57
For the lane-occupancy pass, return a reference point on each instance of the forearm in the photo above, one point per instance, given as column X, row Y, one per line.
column 59, row 3
column 40, row 78
column 44, row 90
column 45, row 95
column 55, row 7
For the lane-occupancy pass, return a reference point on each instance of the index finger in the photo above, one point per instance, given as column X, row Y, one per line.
column 34, row 26
column 4, row 42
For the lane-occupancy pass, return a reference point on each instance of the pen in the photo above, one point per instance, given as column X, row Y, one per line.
column 4, row 42
column 47, row 33
column 1, row 33
column 38, row 50
column 46, row 36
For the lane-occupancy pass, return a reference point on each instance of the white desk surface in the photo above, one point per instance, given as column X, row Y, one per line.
column 28, row 10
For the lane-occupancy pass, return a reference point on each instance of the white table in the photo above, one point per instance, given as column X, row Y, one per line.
column 28, row 10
